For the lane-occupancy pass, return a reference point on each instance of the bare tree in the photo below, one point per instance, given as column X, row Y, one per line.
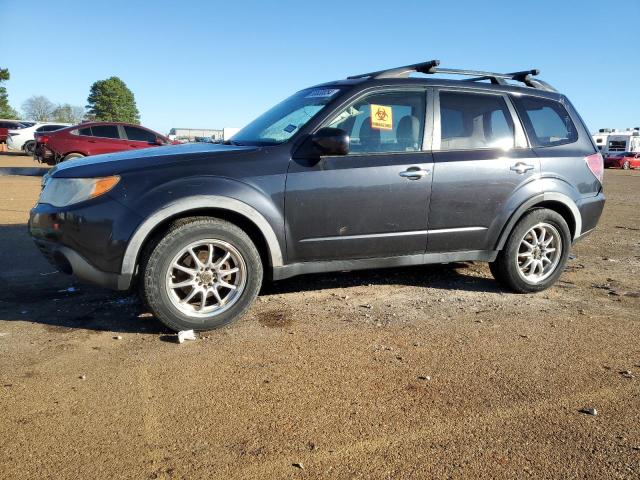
column 38, row 108
column 67, row 113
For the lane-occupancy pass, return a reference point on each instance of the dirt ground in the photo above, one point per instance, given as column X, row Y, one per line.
column 427, row 372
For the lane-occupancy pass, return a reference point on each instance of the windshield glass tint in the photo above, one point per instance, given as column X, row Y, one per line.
column 285, row 119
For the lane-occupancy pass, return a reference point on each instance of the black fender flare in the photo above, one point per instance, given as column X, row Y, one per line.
column 538, row 199
column 199, row 202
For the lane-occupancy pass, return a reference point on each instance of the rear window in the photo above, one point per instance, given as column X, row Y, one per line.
column 105, row 131
column 547, row 122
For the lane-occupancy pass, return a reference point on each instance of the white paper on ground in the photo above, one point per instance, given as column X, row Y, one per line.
column 186, row 335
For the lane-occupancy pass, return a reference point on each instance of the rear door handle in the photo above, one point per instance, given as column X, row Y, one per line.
column 521, row 167
column 414, row 173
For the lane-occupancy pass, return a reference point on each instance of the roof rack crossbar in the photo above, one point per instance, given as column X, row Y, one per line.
column 432, row 67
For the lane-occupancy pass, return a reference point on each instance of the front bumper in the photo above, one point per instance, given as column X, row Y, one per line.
column 70, row 262
column 87, row 240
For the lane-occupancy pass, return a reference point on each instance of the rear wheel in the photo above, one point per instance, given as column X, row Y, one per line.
column 535, row 253
column 204, row 273
column 29, row 147
column 72, row 155
column 626, row 165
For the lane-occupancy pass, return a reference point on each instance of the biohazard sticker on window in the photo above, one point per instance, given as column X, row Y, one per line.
column 381, row 117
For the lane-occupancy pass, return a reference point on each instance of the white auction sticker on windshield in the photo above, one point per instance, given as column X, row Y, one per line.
column 322, row 93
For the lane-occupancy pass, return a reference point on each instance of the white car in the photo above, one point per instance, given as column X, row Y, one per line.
column 23, row 138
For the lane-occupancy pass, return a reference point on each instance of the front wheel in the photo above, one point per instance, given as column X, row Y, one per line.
column 535, row 254
column 204, row 273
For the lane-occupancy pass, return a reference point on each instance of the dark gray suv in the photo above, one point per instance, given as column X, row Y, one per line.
column 377, row 170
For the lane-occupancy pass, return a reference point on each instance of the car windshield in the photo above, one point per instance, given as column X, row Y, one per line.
column 280, row 123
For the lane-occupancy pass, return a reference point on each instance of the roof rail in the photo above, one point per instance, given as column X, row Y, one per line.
column 432, row 67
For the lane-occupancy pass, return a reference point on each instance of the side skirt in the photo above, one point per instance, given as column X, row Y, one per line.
column 294, row 269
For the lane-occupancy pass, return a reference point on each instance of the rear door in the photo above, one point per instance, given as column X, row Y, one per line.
column 372, row 202
column 106, row 139
column 481, row 160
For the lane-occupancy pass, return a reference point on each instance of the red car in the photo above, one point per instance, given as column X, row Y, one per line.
column 93, row 138
column 624, row 160
column 5, row 126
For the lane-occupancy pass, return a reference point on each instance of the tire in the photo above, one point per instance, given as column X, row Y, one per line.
column 626, row 165
column 29, row 147
column 180, row 308
column 72, row 155
column 511, row 268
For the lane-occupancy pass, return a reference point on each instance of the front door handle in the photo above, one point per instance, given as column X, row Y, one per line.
column 414, row 173
column 521, row 167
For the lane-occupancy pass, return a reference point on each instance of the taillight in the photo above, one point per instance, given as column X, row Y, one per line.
column 43, row 139
column 596, row 165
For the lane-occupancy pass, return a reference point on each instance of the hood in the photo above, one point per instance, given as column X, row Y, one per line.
column 117, row 163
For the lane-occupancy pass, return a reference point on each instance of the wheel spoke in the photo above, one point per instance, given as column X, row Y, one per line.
column 224, row 258
column 527, row 244
column 525, row 254
column 190, row 296
column 204, row 300
column 216, row 294
column 543, row 233
column 210, row 255
column 224, row 284
column 226, row 273
column 549, row 250
column 534, row 237
column 183, row 284
column 526, row 264
column 197, row 261
column 189, row 271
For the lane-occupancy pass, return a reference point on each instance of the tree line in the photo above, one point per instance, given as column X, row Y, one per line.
column 109, row 100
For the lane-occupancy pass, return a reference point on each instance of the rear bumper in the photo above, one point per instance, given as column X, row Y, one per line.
column 70, row 262
column 590, row 211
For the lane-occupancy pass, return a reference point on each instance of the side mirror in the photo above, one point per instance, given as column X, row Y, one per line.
column 331, row 141
column 326, row 141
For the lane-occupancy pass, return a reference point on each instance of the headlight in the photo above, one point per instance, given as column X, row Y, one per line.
column 61, row 192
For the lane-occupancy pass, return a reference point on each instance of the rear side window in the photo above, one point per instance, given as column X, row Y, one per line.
column 105, row 131
column 139, row 134
column 547, row 122
column 474, row 121
column 85, row 131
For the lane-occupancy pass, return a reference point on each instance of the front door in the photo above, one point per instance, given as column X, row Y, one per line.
column 481, row 161
column 372, row 202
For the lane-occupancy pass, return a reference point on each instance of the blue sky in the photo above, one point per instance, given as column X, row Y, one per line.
column 207, row 64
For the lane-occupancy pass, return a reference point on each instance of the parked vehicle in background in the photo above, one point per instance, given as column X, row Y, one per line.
column 624, row 160
column 93, row 138
column 24, row 138
column 377, row 170
column 5, row 126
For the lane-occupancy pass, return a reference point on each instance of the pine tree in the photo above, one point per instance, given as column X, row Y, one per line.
column 111, row 100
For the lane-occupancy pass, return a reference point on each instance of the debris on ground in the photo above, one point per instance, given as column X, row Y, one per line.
column 298, row 465
column 589, row 411
column 186, row 335
column 118, row 337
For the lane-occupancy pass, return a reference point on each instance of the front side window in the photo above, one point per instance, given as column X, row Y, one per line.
column 139, row 134
column 105, row 131
column 287, row 118
column 547, row 122
column 474, row 121
column 384, row 122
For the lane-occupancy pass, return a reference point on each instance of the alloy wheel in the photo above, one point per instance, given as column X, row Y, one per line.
column 206, row 278
column 539, row 253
